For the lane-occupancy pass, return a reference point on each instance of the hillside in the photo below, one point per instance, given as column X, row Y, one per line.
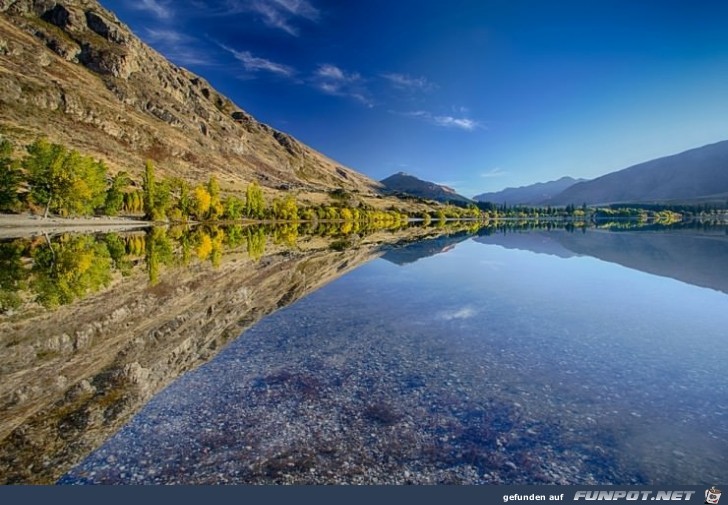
column 411, row 185
column 689, row 176
column 533, row 194
column 72, row 72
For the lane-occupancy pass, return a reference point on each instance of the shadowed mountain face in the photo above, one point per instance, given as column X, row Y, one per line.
column 71, row 71
column 691, row 175
column 411, row 185
column 697, row 257
column 535, row 194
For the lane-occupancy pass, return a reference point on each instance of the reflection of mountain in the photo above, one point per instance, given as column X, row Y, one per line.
column 696, row 257
column 544, row 242
column 410, row 253
column 72, row 377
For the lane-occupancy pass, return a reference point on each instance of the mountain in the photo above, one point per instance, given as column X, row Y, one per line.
column 689, row 176
column 697, row 256
column 411, row 185
column 72, row 72
column 534, row 194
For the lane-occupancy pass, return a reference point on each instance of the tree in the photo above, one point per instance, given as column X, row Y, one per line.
column 233, row 208
column 115, row 194
column 216, row 208
column 254, row 202
column 286, row 208
column 10, row 177
column 62, row 180
column 201, row 202
column 148, row 187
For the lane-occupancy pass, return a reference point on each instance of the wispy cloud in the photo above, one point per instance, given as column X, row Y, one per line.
column 462, row 123
column 408, row 82
column 157, row 7
column 255, row 64
column 332, row 80
column 282, row 14
column 494, row 172
column 177, row 46
column 456, row 122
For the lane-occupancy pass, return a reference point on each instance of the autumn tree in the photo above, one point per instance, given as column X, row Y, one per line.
column 201, row 202
column 213, row 188
column 10, row 177
column 254, row 202
column 64, row 181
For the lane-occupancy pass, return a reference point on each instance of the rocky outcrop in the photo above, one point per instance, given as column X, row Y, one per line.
column 73, row 72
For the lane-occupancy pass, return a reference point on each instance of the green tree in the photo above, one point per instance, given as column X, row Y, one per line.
column 62, row 180
column 115, row 194
column 149, row 186
column 10, row 177
column 233, row 208
column 285, row 209
column 254, row 202
column 216, row 208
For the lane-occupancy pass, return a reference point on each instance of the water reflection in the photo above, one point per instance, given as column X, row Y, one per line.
column 484, row 364
column 95, row 326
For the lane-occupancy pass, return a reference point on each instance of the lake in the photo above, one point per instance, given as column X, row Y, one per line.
column 464, row 355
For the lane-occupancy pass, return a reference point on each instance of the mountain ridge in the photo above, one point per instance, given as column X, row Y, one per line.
column 71, row 71
column 695, row 174
column 402, row 182
column 532, row 194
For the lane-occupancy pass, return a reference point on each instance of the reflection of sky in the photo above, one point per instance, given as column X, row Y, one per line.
column 599, row 353
column 603, row 318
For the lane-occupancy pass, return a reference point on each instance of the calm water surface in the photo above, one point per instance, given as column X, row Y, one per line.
column 501, row 359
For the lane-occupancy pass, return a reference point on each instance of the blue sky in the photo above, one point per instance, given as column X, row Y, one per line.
column 475, row 94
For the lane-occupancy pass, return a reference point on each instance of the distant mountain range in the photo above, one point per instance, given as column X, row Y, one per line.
column 402, row 183
column 534, row 194
column 697, row 174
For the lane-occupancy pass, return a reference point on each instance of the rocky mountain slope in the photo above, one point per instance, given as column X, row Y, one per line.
column 71, row 71
column 693, row 175
column 411, row 185
column 534, row 194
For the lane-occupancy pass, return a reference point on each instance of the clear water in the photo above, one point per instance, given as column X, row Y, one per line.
column 502, row 359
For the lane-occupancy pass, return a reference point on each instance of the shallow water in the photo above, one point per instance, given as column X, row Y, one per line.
column 503, row 359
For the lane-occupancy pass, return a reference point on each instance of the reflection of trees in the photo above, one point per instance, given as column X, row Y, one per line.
column 69, row 269
column 158, row 251
column 12, row 274
column 256, row 243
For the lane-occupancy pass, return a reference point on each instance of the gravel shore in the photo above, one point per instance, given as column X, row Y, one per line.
column 24, row 225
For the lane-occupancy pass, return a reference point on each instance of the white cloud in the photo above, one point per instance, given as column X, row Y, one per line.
column 408, row 82
column 494, row 172
column 177, row 46
column 255, row 64
column 456, row 122
column 462, row 123
column 281, row 14
column 156, row 7
column 332, row 80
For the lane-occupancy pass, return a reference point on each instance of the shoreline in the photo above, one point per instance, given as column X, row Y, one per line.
column 23, row 225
